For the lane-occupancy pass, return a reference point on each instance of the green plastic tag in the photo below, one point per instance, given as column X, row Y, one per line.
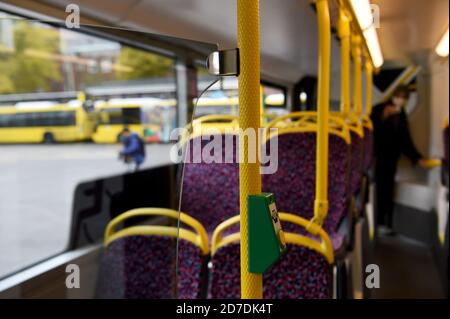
column 265, row 242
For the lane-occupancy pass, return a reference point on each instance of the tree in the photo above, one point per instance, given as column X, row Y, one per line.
column 32, row 65
column 143, row 65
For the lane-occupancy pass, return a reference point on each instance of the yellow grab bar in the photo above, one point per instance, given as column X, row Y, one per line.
column 369, row 87
column 357, row 85
column 217, row 239
column 367, row 122
column 432, row 163
column 321, row 200
column 249, row 118
column 215, row 118
column 344, row 35
column 323, row 247
column 307, row 122
column 200, row 238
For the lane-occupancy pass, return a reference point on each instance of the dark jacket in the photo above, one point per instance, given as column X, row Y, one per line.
column 392, row 136
column 134, row 148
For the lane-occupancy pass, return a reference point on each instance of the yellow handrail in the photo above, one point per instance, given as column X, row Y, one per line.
column 321, row 200
column 353, row 122
column 307, row 122
column 432, row 163
column 217, row 238
column 211, row 124
column 249, row 118
column 324, row 247
column 215, row 118
column 369, row 84
column 344, row 35
column 200, row 238
column 357, row 86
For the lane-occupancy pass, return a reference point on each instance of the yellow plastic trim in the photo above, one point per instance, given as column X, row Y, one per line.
column 324, row 247
column 445, row 123
column 249, row 117
column 201, row 236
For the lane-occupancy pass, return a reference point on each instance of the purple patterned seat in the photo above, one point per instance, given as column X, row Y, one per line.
column 357, row 160
column 368, row 149
column 294, row 182
column 211, row 190
column 310, row 278
column 144, row 267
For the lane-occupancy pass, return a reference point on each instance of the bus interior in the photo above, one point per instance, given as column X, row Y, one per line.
column 255, row 119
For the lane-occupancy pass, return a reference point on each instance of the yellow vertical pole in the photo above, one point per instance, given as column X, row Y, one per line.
column 249, row 118
column 321, row 200
column 357, row 75
column 369, row 84
column 344, row 35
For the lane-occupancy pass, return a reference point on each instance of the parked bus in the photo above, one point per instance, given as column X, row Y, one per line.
column 151, row 118
column 45, row 124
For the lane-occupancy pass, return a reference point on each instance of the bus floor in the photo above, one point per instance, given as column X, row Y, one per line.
column 407, row 269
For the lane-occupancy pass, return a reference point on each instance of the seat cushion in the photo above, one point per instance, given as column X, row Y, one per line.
column 301, row 273
column 144, row 267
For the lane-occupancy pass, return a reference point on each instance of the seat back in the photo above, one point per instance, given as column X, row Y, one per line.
column 141, row 261
column 302, row 272
column 368, row 148
column 211, row 190
column 293, row 184
column 357, row 161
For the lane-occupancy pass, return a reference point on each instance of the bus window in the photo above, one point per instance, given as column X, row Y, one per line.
column 74, row 89
column 273, row 101
column 121, row 116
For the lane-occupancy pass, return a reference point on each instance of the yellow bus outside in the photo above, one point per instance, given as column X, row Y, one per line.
column 57, row 123
column 112, row 119
column 150, row 118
